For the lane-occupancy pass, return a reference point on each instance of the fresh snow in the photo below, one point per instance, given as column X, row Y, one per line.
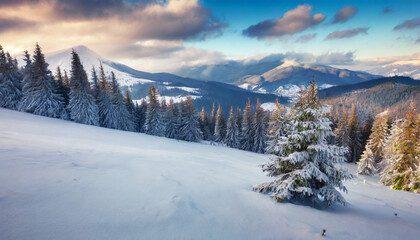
column 175, row 99
column 63, row 180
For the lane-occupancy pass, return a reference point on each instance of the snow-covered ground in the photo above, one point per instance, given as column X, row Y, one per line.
column 62, row 180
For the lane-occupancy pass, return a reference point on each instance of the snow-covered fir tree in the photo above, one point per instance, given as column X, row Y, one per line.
column 132, row 110
column 62, row 89
column 104, row 102
column 404, row 171
column 259, row 130
column 204, row 125
column 153, row 124
column 10, row 81
column 82, row 105
column 238, row 120
column 39, row 93
column 190, row 129
column 220, row 126
column 246, row 131
column 122, row 118
column 366, row 130
column 355, row 145
column 95, row 83
column 391, row 151
column 372, row 156
column 232, row 134
column 212, row 120
column 171, row 125
column 305, row 168
column 342, row 136
column 277, row 129
column 141, row 115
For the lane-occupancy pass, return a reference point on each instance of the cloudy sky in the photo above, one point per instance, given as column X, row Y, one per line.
column 163, row 35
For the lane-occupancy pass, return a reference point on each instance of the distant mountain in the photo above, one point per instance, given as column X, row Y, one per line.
column 409, row 69
column 204, row 93
column 274, row 75
column 395, row 94
column 343, row 89
column 287, row 78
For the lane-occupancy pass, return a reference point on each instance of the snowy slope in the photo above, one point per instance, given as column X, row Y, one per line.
column 62, row 180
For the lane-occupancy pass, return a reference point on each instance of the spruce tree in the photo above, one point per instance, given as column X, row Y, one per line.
column 212, row 121
column 40, row 95
column 220, row 126
column 258, row 129
column 132, row 110
column 190, row 130
column 153, row 124
column 10, row 82
column 141, row 115
column 366, row 130
column 82, row 105
column 238, row 120
column 246, row 132
column 404, row 171
column 232, row 135
column 204, row 125
column 171, row 130
column 122, row 118
column 277, row 129
column 305, row 168
column 62, row 89
column 373, row 154
column 104, row 102
column 355, row 145
column 342, row 136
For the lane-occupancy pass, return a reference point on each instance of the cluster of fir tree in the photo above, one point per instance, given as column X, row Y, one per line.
column 246, row 131
column 181, row 121
column 34, row 89
column 393, row 151
column 303, row 161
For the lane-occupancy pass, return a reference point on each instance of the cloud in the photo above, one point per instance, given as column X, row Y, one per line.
column 347, row 33
column 293, row 21
column 117, row 28
column 344, row 14
column 387, row 10
column 305, row 38
column 7, row 24
column 408, row 24
column 336, row 58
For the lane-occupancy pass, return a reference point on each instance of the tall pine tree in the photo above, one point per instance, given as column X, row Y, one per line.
column 232, row 134
column 220, row 126
column 355, row 145
column 39, row 92
column 246, row 132
column 82, row 105
column 10, row 82
column 190, row 130
column 258, row 129
column 305, row 168
column 153, row 124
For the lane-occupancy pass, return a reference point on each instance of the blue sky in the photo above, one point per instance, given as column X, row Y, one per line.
column 164, row 35
column 380, row 41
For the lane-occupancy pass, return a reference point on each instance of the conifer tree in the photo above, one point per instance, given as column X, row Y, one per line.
column 66, row 79
column 232, row 135
column 131, row 109
column 40, row 96
column 258, row 129
column 355, row 145
column 366, row 130
column 238, row 120
column 391, row 151
column 404, row 172
column 10, row 82
column 95, row 83
column 122, row 118
column 212, row 121
column 342, row 136
column 190, row 130
column 305, row 168
column 82, row 105
column 104, row 102
column 373, row 154
column 141, row 115
column 246, row 132
column 62, row 89
column 277, row 129
column 171, row 130
column 153, row 124
column 220, row 126
column 204, row 125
